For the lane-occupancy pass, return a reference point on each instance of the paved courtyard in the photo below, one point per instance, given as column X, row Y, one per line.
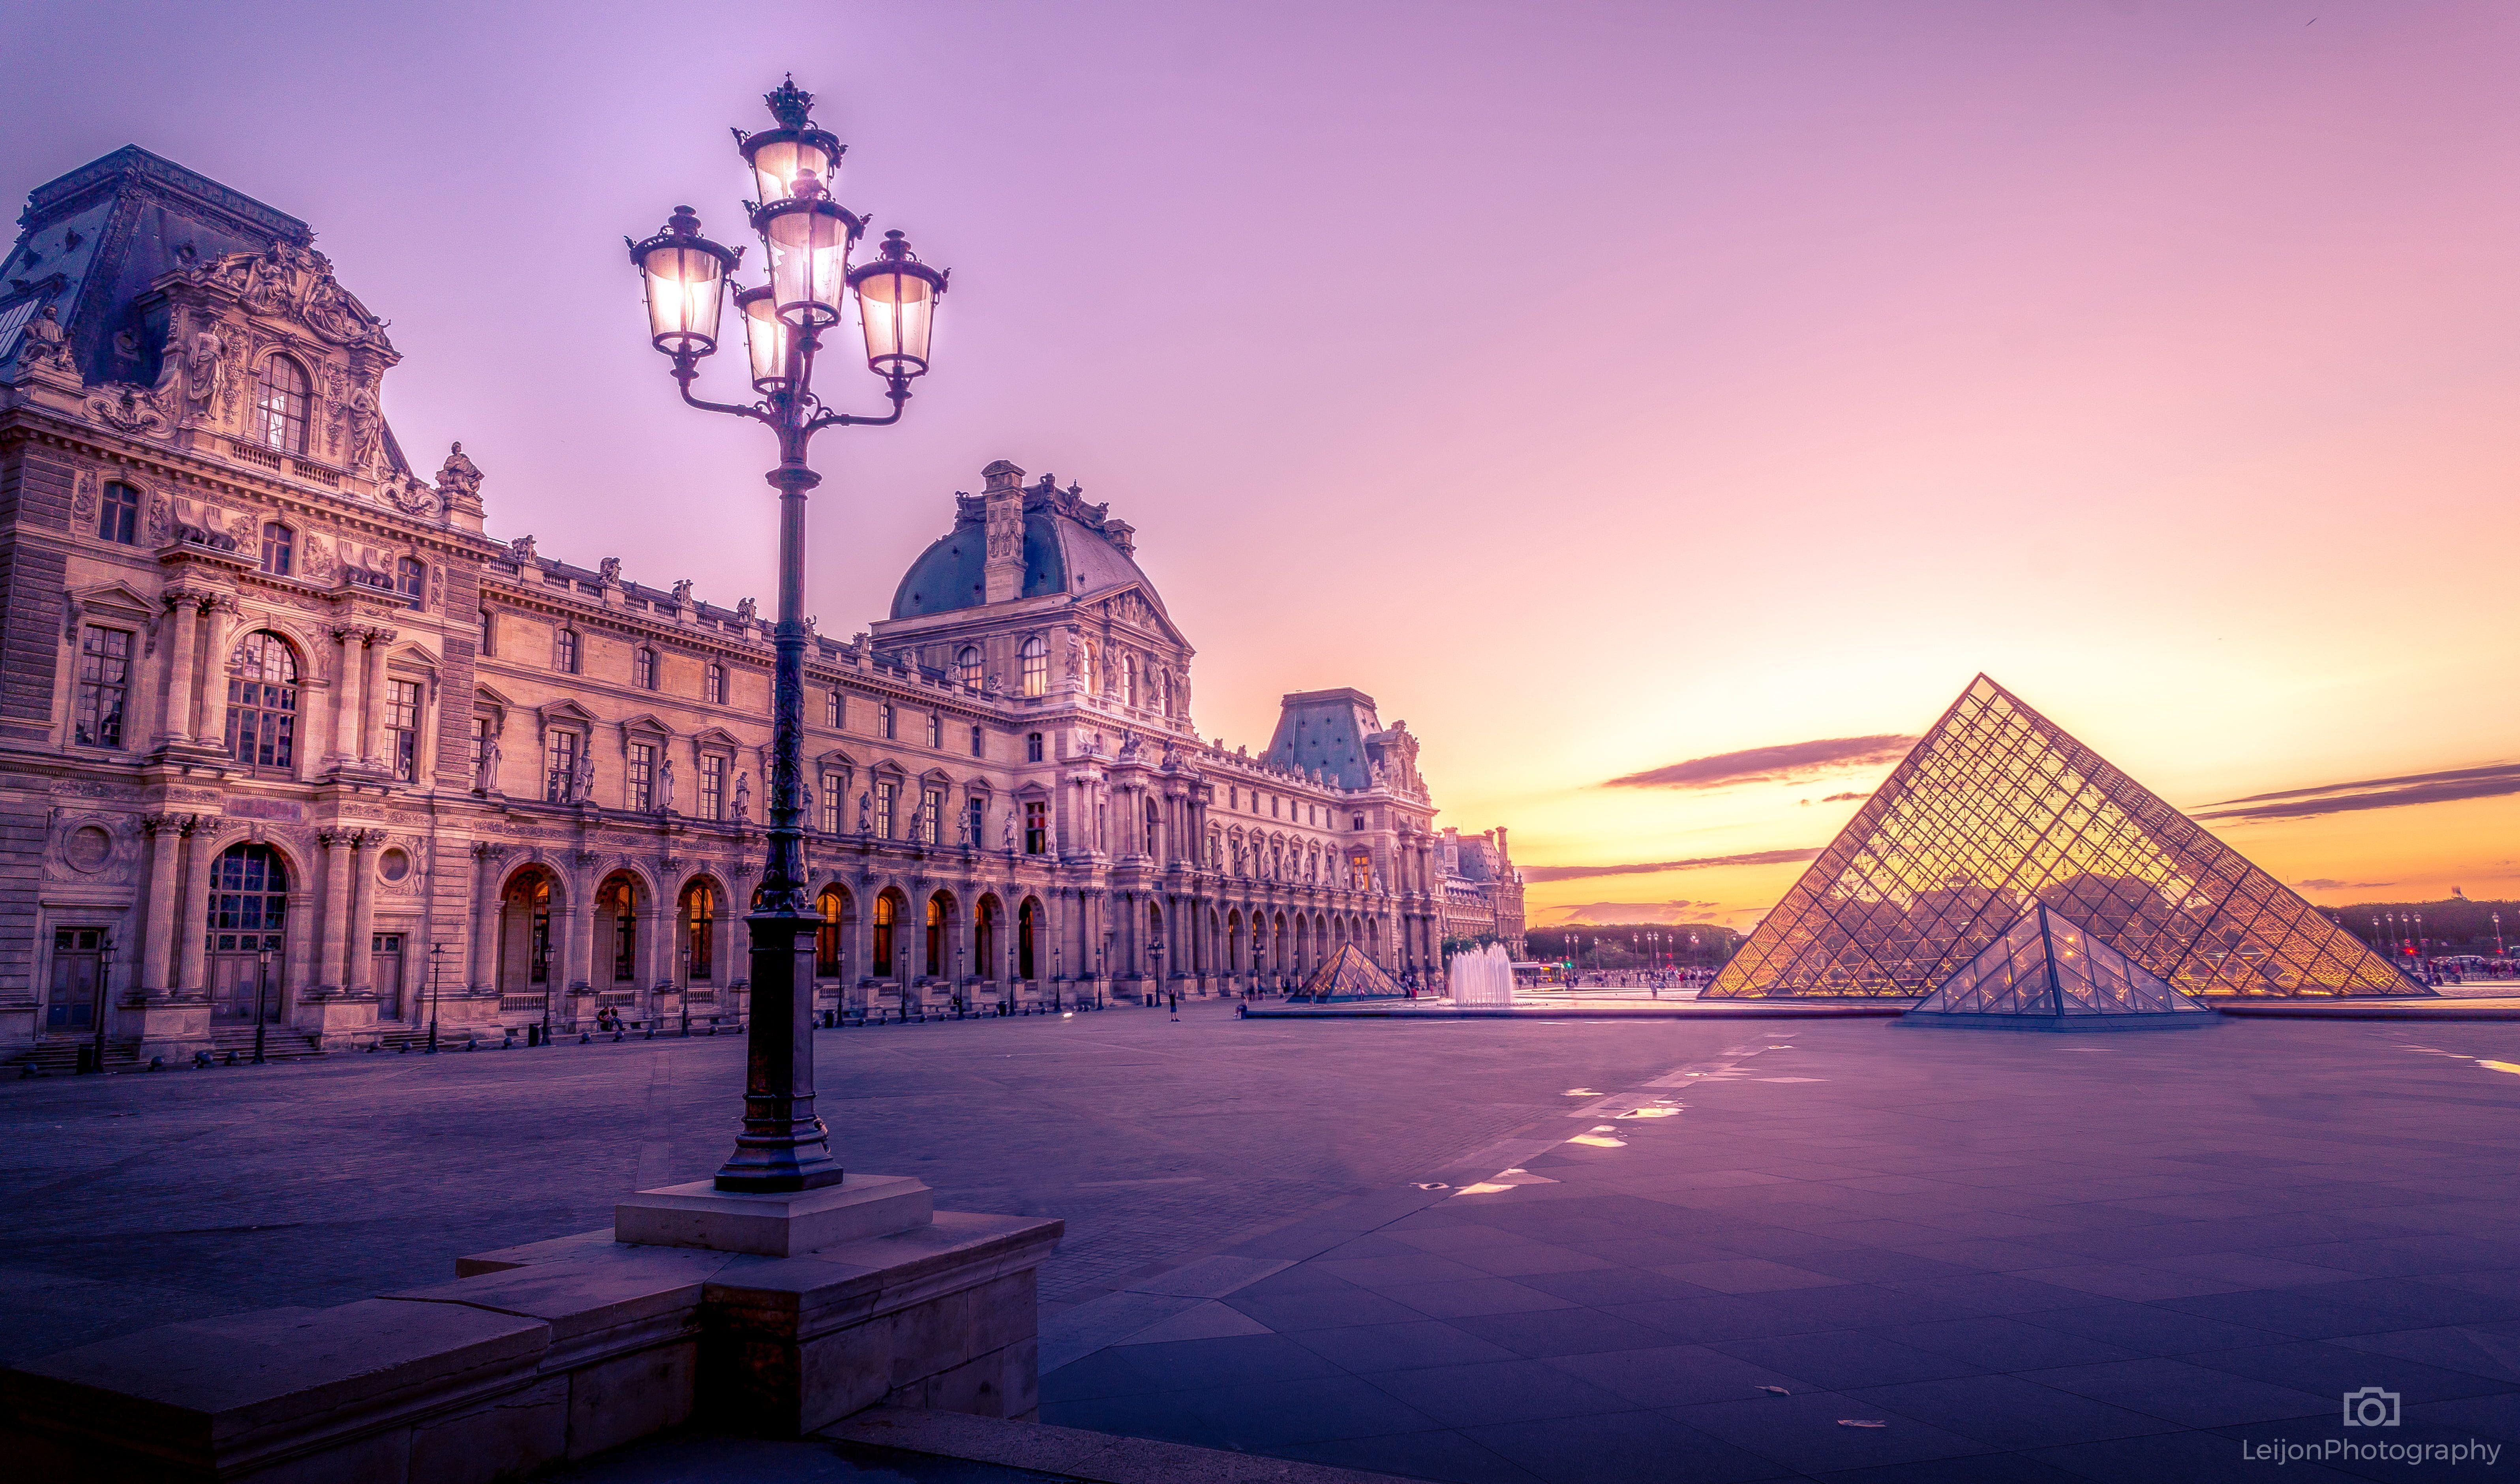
column 1475, row 1250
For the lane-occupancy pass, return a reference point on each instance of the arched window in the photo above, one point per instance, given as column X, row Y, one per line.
column 410, row 580
column 1027, row 935
column 985, row 939
column 888, row 921
column 565, row 651
column 279, row 405
column 966, row 665
column 700, row 933
column 263, row 703
column 1360, row 872
column 278, row 549
column 827, row 935
column 713, row 687
column 529, row 897
column 119, row 519
column 249, row 905
column 935, row 936
column 936, row 730
column 1036, row 666
column 618, row 903
column 836, row 711
column 643, row 668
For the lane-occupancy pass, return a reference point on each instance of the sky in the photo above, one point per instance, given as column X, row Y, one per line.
column 1607, row 390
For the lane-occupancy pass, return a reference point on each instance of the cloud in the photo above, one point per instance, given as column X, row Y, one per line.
column 1771, row 765
column 1840, row 798
column 2372, row 793
column 2323, row 883
column 1579, row 872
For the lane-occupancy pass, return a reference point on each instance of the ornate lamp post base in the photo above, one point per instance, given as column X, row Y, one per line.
column 784, row 1146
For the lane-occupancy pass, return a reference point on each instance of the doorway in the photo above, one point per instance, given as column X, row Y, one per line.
column 78, row 967
column 385, row 973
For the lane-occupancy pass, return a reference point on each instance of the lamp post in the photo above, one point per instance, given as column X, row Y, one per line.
column 261, row 988
column 437, row 958
column 95, row 1057
column 807, row 238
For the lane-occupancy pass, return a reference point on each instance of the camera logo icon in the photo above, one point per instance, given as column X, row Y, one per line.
column 2370, row 1406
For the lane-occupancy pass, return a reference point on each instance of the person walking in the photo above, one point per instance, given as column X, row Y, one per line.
column 1176, row 997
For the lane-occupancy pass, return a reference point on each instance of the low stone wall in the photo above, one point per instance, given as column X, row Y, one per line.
column 546, row 1353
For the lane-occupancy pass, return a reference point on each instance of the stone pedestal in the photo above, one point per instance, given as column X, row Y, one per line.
column 567, row 1347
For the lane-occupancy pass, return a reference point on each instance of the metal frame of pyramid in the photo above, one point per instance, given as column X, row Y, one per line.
column 2047, row 972
column 1348, row 974
column 1998, row 809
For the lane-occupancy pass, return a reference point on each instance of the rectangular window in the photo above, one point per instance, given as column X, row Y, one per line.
column 931, row 815
column 884, row 803
column 1036, row 829
column 1273, row 806
column 642, row 792
column 980, row 742
column 977, row 813
column 713, row 787
column 559, row 766
column 403, row 726
column 716, row 685
column 278, row 549
column 1032, row 746
column 936, row 731
column 119, row 519
column 105, row 682
column 835, row 790
column 836, row 711
column 564, row 651
column 883, row 718
column 643, row 668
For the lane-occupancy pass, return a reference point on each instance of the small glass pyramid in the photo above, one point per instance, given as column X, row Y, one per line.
column 1995, row 810
column 2046, row 969
column 1348, row 974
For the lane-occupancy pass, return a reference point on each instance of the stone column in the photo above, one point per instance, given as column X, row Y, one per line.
column 372, row 694
column 158, row 929
column 222, row 618
column 346, row 668
column 479, row 958
column 193, row 940
column 337, row 911
column 578, row 951
column 358, row 966
column 175, row 718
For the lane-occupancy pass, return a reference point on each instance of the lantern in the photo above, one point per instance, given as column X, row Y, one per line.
column 767, row 336
column 897, row 304
column 685, row 279
column 794, row 159
column 808, row 238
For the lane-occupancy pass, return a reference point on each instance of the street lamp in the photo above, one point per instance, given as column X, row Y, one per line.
column 95, row 1057
column 806, row 238
column 261, row 988
column 437, row 958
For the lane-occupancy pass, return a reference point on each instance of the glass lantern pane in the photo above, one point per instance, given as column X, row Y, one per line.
column 683, row 288
column 809, row 264
column 775, row 167
column 899, row 311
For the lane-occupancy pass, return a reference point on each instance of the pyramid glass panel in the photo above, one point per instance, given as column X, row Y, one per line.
column 1995, row 811
column 2047, row 968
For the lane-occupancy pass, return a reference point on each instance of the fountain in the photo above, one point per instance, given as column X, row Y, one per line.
column 1483, row 980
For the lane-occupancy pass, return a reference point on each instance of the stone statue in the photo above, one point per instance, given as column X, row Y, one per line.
column 202, row 367
column 521, row 550
column 970, row 829
column 747, row 610
column 865, row 815
column 1075, row 654
column 1128, row 745
column 45, row 342
column 665, row 786
column 486, row 779
column 581, row 781
column 743, row 799
column 610, row 570
column 1007, row 834
column 458, row 476
column 365, row 420
column 683, row 593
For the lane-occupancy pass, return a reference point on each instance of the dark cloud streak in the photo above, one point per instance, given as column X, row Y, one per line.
column 2405, row 791
column 1777, row 764
column 1580, row 872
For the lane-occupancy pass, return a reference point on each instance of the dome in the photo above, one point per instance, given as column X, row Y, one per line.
column 1069, row 547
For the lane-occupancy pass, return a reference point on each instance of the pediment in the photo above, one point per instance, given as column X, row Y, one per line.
column 717, row 737
column 1135, row 603
column 648, row 722
column 836, row 757
column 565, row 710
column 116, row 600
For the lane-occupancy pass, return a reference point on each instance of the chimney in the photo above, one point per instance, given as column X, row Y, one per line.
column 1501, row 854
column 1452, row 850
column 1002, row 505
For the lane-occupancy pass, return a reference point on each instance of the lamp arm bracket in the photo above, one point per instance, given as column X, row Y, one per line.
column 899, row 395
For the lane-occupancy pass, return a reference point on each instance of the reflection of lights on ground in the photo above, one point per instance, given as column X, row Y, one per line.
column 1580, row 1091
column 2499, row 1066
column 1504, row 1179
column 1651, row 1112
column 1600, row 1138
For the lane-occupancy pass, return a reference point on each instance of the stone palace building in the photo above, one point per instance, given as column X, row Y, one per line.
column 284, row 737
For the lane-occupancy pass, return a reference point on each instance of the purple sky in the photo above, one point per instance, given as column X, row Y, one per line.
column 1602, row 387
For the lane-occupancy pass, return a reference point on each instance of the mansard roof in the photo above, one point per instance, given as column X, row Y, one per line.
column 1326, row 730
column 1070, row 546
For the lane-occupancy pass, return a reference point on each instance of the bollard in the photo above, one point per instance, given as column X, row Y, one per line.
column 156, row 1063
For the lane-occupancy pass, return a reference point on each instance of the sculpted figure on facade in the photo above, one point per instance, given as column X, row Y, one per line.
column 747, row 610
column 665, row 786
column 202, row 367
column 45, row 342
column 683, row 593
column 610, row 572
column 743, row 799
column 582, row 777
column 865, row 815
column 521, row 550
column 485, row 776
column 460, row 477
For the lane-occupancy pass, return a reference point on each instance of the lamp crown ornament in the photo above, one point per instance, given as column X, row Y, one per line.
column 789, row 104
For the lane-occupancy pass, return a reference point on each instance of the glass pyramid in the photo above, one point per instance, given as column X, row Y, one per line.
column 1997, row 810
column 2045, row 968
column 1348, row 974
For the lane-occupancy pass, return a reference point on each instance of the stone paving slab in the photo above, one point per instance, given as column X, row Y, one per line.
column 2022, row 1262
